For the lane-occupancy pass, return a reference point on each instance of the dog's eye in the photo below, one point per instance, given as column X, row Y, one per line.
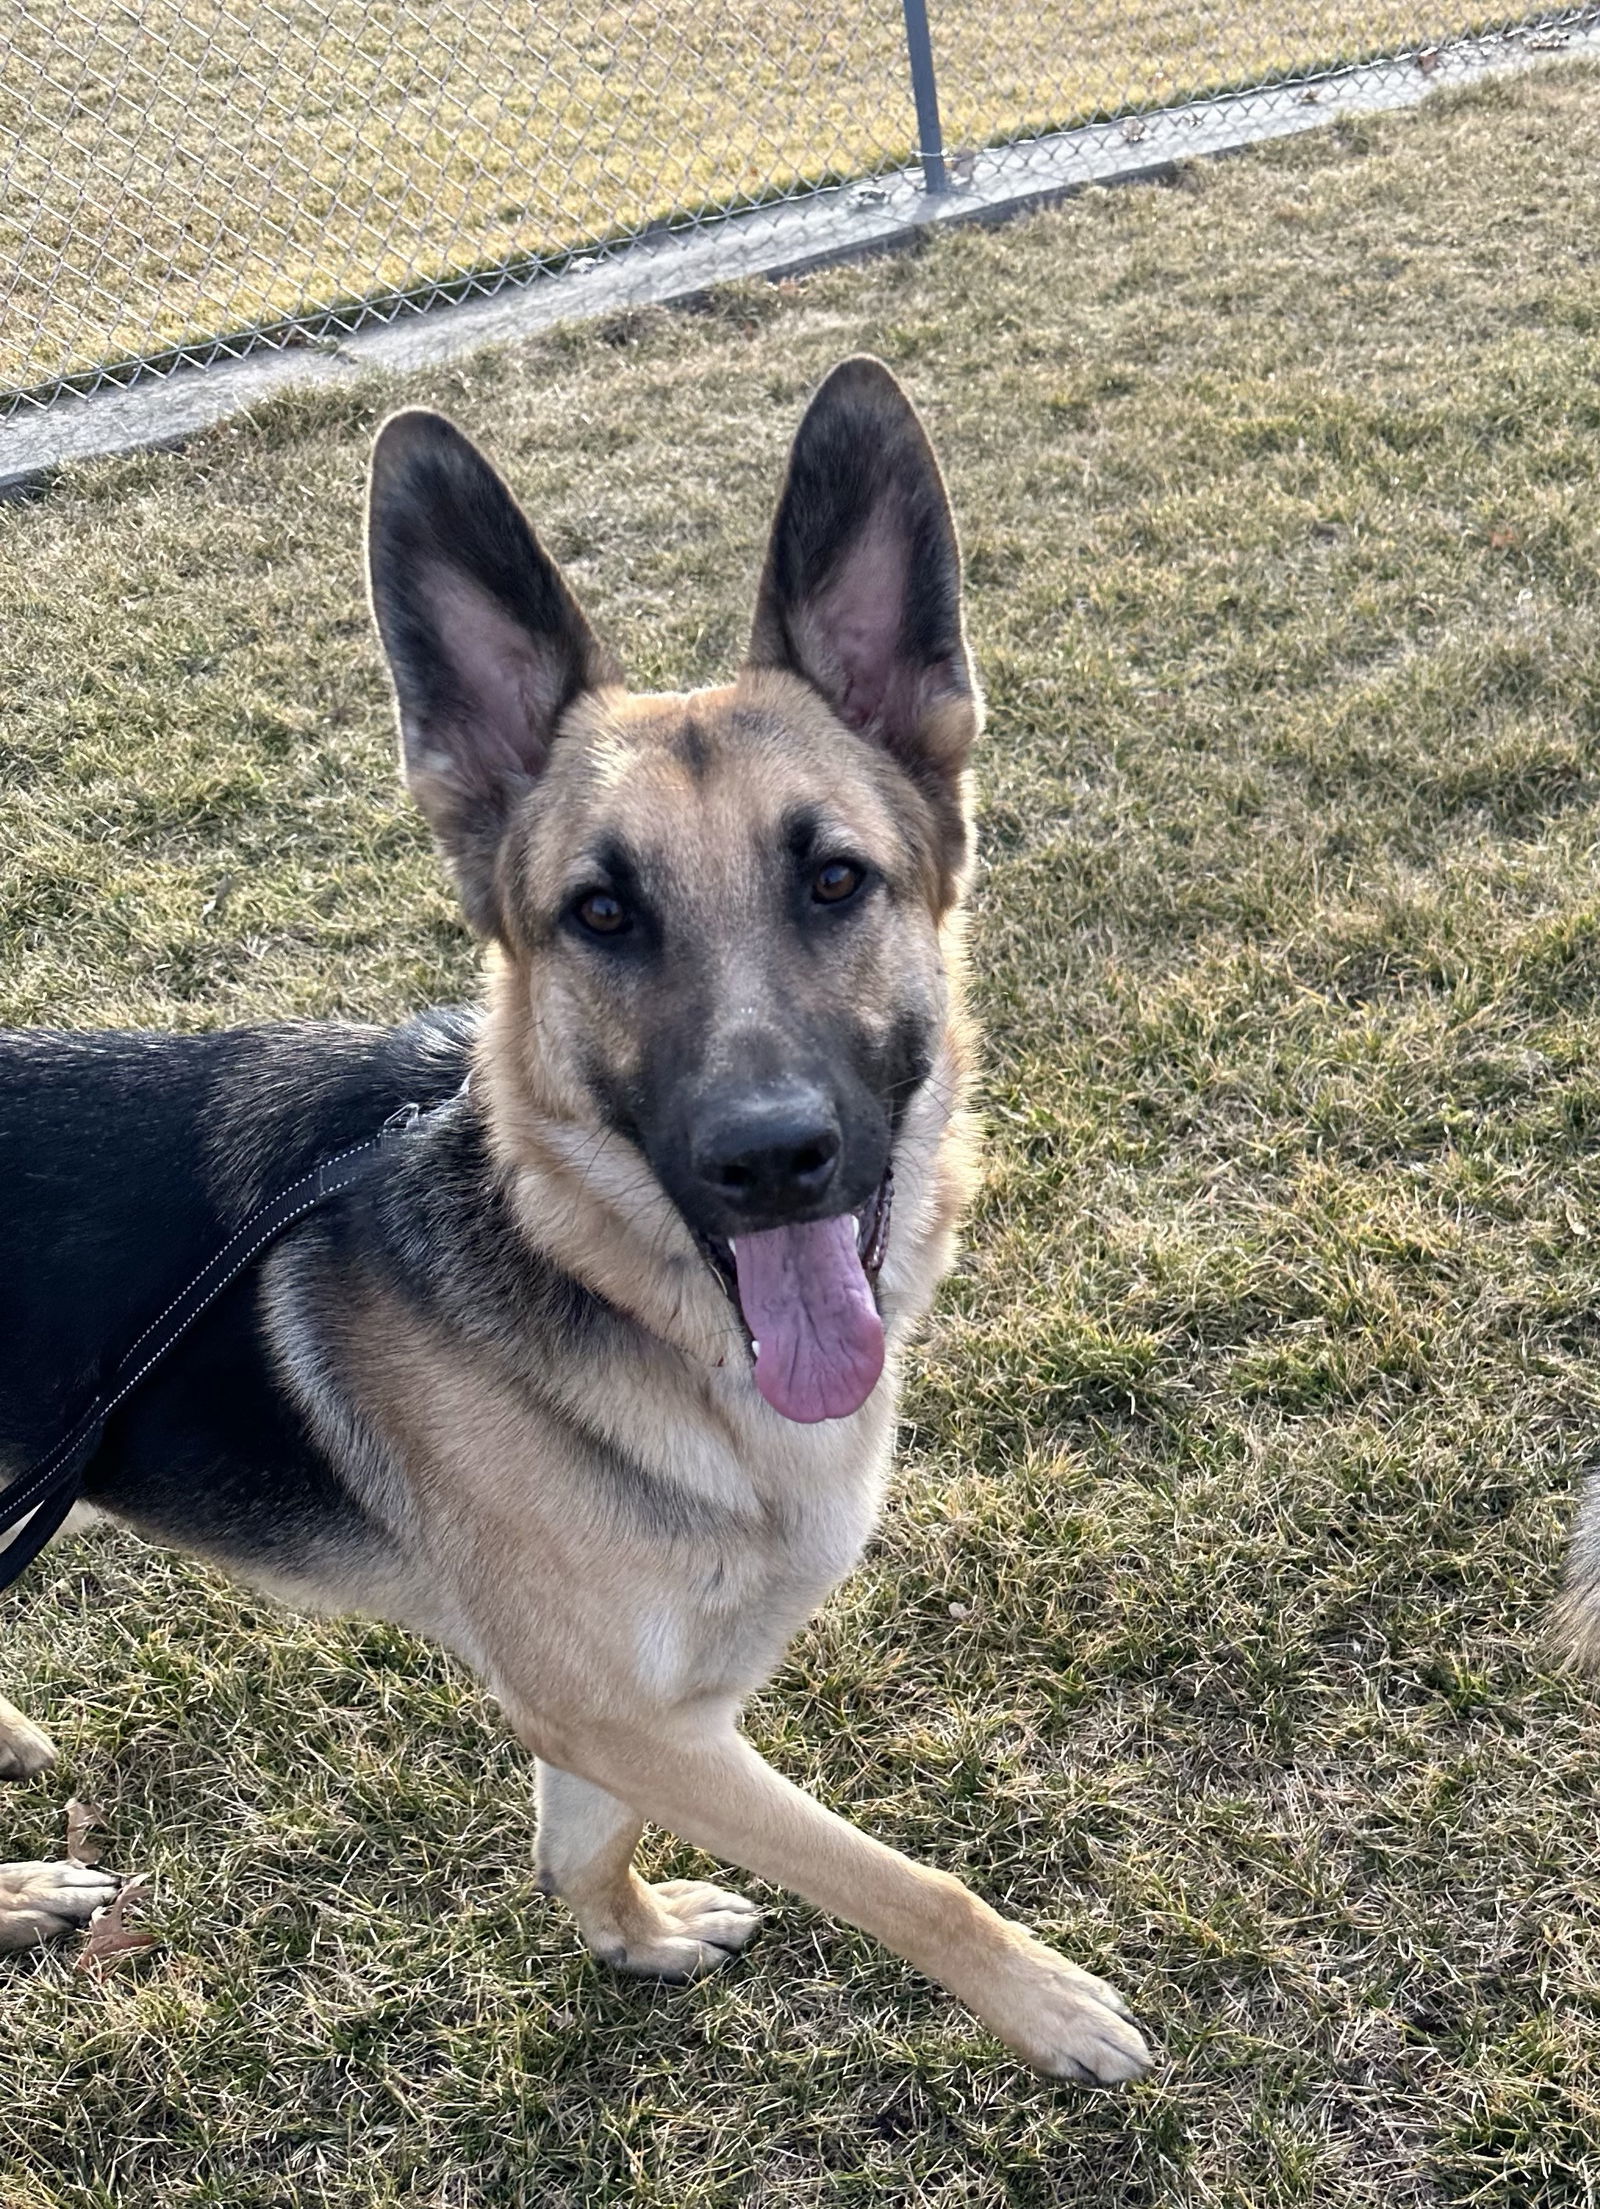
column 837, row 882
column 601, row 914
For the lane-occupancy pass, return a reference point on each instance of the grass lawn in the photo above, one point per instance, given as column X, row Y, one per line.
column 1207, row 1626
column 188, row 168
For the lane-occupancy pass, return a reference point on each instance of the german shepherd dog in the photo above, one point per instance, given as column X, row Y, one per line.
column 595, row 1380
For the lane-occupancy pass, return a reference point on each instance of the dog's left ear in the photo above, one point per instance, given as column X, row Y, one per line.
column 861, row 594
column 487, row 645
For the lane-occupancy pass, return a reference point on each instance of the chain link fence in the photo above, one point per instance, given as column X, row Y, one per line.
column 182, row 180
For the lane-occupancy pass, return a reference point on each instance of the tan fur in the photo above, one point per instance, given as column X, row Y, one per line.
column 623, row 1657
column 40, row 1902
column 1575, row 1627
column 24, row 1748
column 623, row 1640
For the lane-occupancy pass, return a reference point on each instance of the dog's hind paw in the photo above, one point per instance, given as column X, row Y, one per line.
column 687, row 1929
column 40, row 1902
column 24, row 1747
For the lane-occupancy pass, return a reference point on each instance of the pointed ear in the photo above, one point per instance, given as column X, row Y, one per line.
column 862, row 589
column 487, row 646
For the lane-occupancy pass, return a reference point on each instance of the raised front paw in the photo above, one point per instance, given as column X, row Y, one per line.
column 679, row 1930
column 1064, row 2021
column 40, row 1902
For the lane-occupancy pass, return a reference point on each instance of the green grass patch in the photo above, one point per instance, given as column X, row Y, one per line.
column 1205, row 1630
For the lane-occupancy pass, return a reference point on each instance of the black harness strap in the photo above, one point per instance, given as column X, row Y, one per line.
column 49, row 1489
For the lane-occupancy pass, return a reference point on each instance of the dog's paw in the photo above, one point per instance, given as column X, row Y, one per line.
column 688, row 1929
column 40, row 1902
column 24, row 1747
column 1067, row 2023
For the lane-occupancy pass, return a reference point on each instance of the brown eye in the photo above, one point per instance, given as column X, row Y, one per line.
column 837, row 882
column 601, row 913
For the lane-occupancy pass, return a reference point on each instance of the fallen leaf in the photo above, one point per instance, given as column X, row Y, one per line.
column 82, row 1818
column 110, row 1938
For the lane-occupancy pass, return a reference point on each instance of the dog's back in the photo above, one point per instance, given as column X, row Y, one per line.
column 126, row 1161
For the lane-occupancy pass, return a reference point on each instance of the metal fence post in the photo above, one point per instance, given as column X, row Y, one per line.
column 925, row 89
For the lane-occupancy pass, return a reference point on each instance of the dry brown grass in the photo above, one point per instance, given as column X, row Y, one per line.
column 1206, row 1625
column 193, row 168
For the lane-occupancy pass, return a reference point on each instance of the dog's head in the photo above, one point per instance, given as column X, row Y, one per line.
column 723, row 910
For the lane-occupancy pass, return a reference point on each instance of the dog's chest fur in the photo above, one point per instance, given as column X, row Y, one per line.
column 583, row 1497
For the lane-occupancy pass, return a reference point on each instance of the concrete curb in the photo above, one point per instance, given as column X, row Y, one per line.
column 783, row 240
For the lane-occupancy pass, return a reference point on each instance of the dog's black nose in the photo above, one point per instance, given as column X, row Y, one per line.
column 769, row 1154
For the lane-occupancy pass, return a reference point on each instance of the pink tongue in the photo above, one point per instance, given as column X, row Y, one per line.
column 806, row 1302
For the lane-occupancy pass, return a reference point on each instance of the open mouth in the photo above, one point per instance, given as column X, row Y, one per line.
column 806, row 1295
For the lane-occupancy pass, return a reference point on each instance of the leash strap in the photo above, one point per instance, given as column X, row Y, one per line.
column 49, row 1488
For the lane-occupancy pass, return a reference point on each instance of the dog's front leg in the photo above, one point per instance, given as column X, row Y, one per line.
column 705, row 1782
column 675, row 1930
column 41, row 1902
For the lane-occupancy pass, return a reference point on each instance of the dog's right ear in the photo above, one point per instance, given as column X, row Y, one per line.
column 487, row 646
